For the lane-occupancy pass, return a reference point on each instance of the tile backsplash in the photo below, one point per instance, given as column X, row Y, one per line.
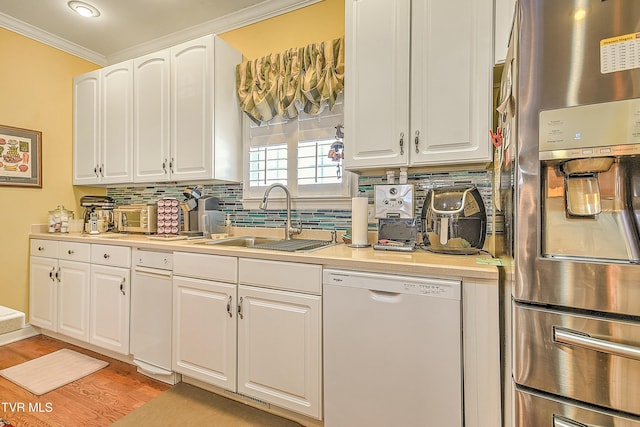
column 230, row 196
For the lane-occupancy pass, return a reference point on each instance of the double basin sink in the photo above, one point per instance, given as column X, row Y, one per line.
column 272, row 243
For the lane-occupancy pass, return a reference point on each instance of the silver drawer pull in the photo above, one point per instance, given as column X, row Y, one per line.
column 559, row 421
column 581, row 339
column 106, row 256
column 40, row 248
column 70, row 252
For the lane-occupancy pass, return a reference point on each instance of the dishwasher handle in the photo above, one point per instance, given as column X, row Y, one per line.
column 153, row 272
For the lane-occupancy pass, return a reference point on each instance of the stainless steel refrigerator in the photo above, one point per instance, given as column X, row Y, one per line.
column 571, row 126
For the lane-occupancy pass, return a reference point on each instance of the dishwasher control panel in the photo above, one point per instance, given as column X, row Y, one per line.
column 414, row 285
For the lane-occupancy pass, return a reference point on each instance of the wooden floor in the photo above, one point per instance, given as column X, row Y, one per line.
column 96, row 400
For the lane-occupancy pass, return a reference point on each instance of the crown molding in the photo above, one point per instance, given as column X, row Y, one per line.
column 232, row 21
column 52, row 40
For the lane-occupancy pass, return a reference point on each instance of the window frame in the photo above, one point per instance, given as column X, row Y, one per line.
column 312, row 196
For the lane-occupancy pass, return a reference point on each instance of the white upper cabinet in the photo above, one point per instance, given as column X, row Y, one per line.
column 172, row 115
column 116, row 165
column 103, row 131
column 420, row 82
column 503, row 22
column 187, row 121
column 86, row 128
column 151, row 117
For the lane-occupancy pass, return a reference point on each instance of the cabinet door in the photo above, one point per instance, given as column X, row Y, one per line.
column 377, row 96
column 451, row 81
column 204, row 331
column 43, row 292
column 503, row 22
column 191, row 109
column 86, row 128
column 109, row 308
column 116, row 163
column 151, row 117
column 73, row 299
column 279, row 348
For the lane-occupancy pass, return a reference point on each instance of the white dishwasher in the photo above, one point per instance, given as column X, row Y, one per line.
column 151, row 313
column 392, row 350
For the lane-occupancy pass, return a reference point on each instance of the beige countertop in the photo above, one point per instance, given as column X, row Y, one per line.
column 420, row 262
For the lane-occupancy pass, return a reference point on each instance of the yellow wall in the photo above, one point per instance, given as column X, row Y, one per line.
column 318, row 22
column 37, row 93
column 36, row 88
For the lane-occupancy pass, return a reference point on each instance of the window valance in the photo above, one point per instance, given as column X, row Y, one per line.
column 280, row 84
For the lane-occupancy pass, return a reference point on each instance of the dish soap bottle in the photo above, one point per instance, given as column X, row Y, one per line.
column 227, row 226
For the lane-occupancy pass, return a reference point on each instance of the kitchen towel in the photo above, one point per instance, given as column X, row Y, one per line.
column 359, row 221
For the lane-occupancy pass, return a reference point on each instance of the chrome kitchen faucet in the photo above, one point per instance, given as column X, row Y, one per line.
column 289, row 230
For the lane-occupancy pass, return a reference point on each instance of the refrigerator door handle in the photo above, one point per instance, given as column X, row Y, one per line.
column 559, row 421
column 581, row 339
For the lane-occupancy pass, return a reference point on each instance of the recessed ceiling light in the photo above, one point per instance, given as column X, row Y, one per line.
column 84, row 9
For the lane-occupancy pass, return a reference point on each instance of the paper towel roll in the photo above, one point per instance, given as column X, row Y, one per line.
column 359, row 221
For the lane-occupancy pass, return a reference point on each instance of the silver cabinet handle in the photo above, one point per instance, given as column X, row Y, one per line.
column 95, row 171
column 51, row 273
column 584, row 340
column 171, row 165
column 101, row 169
column 124, row 280
column 417, row 141
column 106, row 256
column 240, row 309
column 40, row 248
column 559, row 421
column 402, row 143
column 164, row 166
column 70, row 252
column 58, row 275
column 229, row 307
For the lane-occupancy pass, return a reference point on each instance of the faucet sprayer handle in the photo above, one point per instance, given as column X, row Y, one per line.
column 294, row 230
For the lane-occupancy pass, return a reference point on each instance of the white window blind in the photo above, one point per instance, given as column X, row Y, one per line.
column 297, row 153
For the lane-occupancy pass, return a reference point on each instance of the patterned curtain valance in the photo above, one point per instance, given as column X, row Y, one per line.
column 303, row 78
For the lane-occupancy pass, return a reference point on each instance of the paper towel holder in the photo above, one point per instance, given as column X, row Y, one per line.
column 354, row 244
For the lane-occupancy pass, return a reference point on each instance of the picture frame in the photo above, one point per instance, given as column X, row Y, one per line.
column 20, row 157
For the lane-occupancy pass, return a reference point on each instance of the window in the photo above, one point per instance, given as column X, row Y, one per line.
column 302, row 153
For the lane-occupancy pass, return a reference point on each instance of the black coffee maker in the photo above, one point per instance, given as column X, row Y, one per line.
column 454, row 220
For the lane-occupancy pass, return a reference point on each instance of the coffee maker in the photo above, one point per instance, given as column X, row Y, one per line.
column 590, row 182
column 394, row 208
column 201, row 215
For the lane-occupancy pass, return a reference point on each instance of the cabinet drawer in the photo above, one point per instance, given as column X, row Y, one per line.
column 119, row 256
column 74, row 251
column 45, row 248
column 203, row 266
column 291, row 276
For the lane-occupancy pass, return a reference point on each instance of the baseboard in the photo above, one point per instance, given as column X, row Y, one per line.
column 27, row 332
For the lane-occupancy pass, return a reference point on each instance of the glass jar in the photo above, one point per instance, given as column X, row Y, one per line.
column 59, row 220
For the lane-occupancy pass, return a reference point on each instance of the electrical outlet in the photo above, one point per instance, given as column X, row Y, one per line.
column 371, row 213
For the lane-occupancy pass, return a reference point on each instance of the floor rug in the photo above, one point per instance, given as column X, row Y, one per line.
column 186, row 405
column 52, row 370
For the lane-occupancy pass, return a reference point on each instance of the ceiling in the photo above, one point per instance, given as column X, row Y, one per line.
column 130, row 28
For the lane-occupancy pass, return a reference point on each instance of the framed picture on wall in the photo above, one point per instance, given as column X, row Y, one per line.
column 20, row 157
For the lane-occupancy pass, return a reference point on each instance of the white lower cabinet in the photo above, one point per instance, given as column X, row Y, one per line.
column 205, row 330
column 59, row 287
column 110, row 300
column 110, row 297
column 261, row 338
column 279, row 348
